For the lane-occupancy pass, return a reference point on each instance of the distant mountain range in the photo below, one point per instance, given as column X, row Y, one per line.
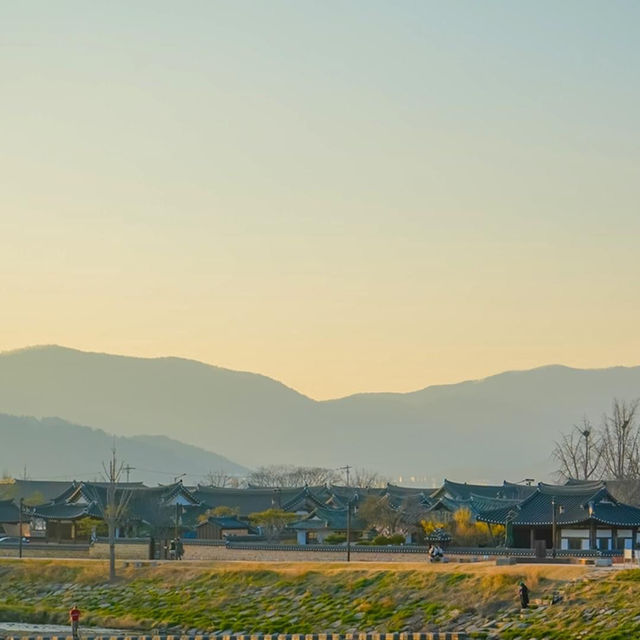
column 500, row 427
column 52, row 448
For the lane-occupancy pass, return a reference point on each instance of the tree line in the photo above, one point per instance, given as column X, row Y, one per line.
column 609, row 450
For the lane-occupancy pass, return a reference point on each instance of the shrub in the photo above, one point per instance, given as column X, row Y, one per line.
column 335, row 538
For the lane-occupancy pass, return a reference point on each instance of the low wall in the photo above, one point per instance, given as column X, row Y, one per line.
column 41, row 550
column 273, row 554
column 214, row 551
column 125, row 550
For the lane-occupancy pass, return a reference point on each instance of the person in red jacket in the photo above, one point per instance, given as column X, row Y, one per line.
column 74, row 616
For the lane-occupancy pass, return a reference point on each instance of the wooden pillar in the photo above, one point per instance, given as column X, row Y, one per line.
column 614, row 538
column 634, row 535
column 532, row 537
column 593, row 538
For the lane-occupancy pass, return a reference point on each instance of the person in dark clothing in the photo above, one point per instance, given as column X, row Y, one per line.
column 523, row 592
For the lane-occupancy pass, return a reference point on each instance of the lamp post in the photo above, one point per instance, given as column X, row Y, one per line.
column 349, row 530
column 586, row 433
column 553, row 527
column 177, row 534
column 556, row 509
column 20, row 507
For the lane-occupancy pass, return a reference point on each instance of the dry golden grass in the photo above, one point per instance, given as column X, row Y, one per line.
column 95, row 570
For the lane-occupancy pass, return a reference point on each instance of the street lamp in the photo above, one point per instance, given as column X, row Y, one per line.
column 21, row 505
column 350, row 502
column 348, row 530
column 554, row 524
column 508, row 529
column 586, row 433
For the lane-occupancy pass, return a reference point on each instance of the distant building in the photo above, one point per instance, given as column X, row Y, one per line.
column 586, row 517
column 217, row 528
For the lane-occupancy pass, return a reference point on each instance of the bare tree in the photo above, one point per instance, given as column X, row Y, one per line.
column 314, row 476
column 366, row 479
column 291, row 476
column 620, row 441
column 378, row 513
column 112, row 504
column 219, row 478
column 579, row 453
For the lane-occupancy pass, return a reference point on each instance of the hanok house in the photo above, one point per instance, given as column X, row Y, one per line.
column 253, row 499
column 10, row 519
column 584, row 516
column 323, row 521
column 158, row 511
column 217, row 528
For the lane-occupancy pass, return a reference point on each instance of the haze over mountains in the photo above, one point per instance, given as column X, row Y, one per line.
column 501, row 427
column 52, row 448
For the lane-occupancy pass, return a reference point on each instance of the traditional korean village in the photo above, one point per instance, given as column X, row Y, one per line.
column 319, row 320
column 578, row 519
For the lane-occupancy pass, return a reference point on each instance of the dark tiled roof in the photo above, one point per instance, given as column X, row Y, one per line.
column 247, row 501
column 513, row 491
column 46, row 490
column 308, row 499
column 575, row 504
column 62, row 511
column 9, row 512
column 152, row 505
column 464, row 490
column 226, row 522
column 325, row 518
column 478, row 504
column 396, row 490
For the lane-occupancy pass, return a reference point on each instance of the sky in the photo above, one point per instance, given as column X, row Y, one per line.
column 345, row 196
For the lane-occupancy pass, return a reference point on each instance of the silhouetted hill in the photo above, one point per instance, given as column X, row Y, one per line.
column 53, row 448
column 502, row 426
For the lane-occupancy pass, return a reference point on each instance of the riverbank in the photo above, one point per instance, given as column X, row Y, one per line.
column 320, row 597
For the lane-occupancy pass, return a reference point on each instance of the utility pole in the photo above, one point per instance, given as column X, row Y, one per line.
column 128, row 468
column 346, row 469
column 349, row 530
column 21, row 505
column 177, row 524
column 557, row 509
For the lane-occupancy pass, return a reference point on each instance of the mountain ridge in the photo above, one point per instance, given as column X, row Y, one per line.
column 497, row 427
column 241, row 372
column 79, row 450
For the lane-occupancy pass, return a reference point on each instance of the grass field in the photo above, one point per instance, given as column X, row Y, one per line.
column 319, row 597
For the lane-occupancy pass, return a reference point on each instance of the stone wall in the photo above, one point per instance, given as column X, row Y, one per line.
column 129, row 550
column 199, row 552
column 32, row 550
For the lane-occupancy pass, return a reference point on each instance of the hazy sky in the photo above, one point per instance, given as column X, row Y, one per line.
column 346, row 196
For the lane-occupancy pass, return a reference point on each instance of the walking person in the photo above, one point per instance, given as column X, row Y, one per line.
column 74, row 617
column 179, row 549
column 523, row 592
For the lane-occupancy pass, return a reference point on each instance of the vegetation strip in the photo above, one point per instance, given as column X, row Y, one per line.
column 316, row 601
column 295, row 636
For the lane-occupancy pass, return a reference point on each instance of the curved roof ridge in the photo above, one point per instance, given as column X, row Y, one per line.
column 478, row 497
column 590, row 488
